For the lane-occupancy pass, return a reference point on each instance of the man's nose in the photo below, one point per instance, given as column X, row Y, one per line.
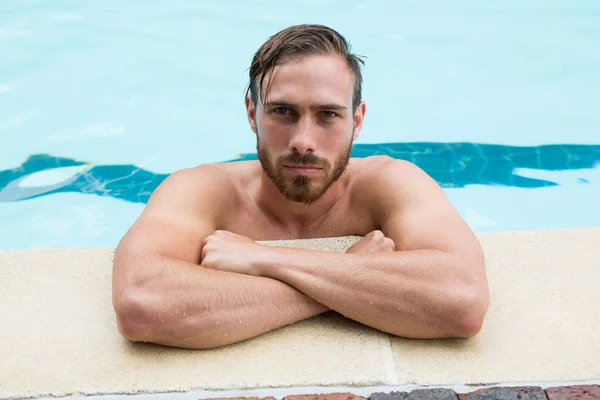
column 303, row 138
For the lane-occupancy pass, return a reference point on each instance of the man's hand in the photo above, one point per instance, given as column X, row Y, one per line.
column 227, row 251
column 373, row 242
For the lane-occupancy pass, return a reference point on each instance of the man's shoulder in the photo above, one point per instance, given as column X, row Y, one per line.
column 218, row 173
column 382, row 178
column 217, row 183
column 193, row 190
column 380, row 169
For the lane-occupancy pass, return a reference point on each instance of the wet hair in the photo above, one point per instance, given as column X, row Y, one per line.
column 298, row 41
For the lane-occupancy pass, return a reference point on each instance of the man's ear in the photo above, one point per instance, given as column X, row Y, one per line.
column 359, row 116
column 251, row 111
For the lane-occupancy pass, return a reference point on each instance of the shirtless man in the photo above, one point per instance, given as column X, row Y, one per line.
column 189, row 272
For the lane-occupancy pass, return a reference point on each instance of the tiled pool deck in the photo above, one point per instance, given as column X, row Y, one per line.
column 58, row 336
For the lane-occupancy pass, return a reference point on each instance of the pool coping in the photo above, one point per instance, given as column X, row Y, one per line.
column 534, row 277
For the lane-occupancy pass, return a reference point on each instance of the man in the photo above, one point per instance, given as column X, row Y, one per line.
column 190, row 274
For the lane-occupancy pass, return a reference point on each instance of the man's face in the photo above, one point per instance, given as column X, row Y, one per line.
column 304, row 186
column 306, row 128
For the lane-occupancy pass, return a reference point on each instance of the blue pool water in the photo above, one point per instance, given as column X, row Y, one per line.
column 497, row 101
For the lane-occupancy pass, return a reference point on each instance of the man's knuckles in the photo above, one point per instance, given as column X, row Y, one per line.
column 376, row 234
column 390, row 243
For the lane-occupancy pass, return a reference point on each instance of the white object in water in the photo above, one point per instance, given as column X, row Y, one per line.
column 41, row 182
column 54, row 176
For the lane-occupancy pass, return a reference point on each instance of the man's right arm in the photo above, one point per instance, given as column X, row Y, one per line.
column 162, row 295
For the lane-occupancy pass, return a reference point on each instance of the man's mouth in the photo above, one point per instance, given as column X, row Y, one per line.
column 303, row 170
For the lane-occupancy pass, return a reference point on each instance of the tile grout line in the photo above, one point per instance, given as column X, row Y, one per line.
column 389, row 363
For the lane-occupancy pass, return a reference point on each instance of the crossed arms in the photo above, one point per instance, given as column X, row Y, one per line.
column 421, row 276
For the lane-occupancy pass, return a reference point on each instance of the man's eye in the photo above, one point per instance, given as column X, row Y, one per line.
column 281, row 110
column 329, row 114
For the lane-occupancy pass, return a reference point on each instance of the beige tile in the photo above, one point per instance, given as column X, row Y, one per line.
column 543, row 323
column 58, row 337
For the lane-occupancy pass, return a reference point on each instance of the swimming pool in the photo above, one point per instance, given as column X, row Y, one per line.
column 98, row 104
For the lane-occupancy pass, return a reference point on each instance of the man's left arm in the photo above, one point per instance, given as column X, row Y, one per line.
column 433, row 286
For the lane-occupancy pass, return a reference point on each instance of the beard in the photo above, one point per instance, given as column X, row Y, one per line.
column 302, row 189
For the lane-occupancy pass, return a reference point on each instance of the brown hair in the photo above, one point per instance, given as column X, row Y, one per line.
column 300, row 40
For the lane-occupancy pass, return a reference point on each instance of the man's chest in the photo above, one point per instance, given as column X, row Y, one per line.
column 343, row 222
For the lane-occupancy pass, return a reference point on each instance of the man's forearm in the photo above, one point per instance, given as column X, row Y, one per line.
column 185, row 305
column 418, row 294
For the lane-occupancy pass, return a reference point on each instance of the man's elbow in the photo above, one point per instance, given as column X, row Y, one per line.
column 140, row 318
column 471, row 326
column 472, row 312
column 133, row 316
